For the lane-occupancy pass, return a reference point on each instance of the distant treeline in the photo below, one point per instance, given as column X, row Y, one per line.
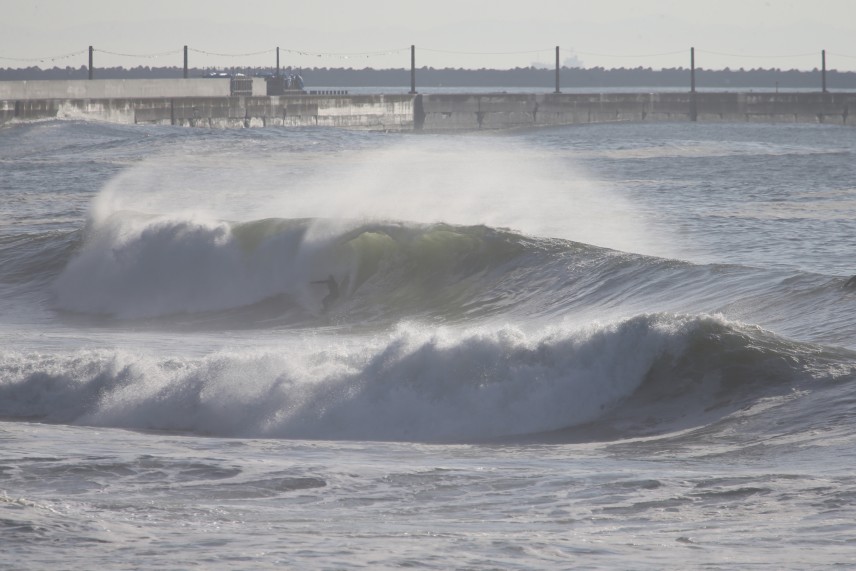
column 517, row 77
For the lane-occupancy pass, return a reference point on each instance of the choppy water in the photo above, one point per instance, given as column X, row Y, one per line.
column 605, row 346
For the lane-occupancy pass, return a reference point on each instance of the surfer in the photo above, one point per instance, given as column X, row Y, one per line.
column 332, row 291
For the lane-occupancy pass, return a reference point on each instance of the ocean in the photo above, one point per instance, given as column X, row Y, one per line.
column 613, row 346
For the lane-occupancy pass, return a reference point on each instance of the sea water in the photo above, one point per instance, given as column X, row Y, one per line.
column 604, row 346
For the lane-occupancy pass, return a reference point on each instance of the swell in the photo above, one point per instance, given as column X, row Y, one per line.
column 648, row 375
column 210, row 274
column 35, row 259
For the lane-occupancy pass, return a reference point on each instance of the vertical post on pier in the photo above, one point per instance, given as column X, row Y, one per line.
column 693, row 100
column 90, row 62
column 823, row 69
column 185, row 62
column 277, row 61
column 412, row 69
column 557, row 70
column 692, row 70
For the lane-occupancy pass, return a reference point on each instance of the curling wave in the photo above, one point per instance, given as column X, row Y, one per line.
column 135, row 266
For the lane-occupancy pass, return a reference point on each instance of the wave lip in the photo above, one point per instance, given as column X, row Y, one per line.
column 148, row 268
column 650, row 374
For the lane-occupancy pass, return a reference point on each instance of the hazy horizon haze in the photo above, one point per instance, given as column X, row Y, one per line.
column 378, row 33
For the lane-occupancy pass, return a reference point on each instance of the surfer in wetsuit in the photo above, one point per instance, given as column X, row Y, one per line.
column 332, row 292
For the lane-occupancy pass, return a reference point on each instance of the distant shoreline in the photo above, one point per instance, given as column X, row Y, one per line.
column 528, row 78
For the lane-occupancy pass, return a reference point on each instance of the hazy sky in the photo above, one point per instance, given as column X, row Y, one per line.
column 455, row 33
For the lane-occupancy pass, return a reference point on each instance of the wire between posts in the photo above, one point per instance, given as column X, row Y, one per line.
column 143, row 56
column 41, row 59
column 636, row 56
column 250, row 54
column 306, row 53
column 345, row 55
column 756, row 56
column 452, row 52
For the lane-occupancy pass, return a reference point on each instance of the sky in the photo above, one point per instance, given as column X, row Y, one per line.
column 502, row 34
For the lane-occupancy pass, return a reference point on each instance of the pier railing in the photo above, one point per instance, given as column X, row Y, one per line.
column 241, row 87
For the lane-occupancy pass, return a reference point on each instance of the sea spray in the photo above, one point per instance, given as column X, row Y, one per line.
column 461, row 181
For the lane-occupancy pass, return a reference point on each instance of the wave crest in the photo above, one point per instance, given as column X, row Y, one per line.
column 645, row 375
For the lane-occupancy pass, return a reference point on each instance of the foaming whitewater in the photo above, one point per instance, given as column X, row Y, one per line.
column 426, row 385
column 139, row 266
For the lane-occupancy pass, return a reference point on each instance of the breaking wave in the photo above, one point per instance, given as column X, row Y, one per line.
column 646, row 375
column 134, row 266
column 199, row 273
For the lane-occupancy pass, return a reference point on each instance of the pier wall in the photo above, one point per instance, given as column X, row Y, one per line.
column 500, row 111
column 367, row 112
column 114, row 88
column 207, row 103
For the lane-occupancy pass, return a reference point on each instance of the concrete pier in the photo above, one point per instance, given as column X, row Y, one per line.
column 113, row 88
column 207, row 103
column 368, row 112
column 472, row 112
